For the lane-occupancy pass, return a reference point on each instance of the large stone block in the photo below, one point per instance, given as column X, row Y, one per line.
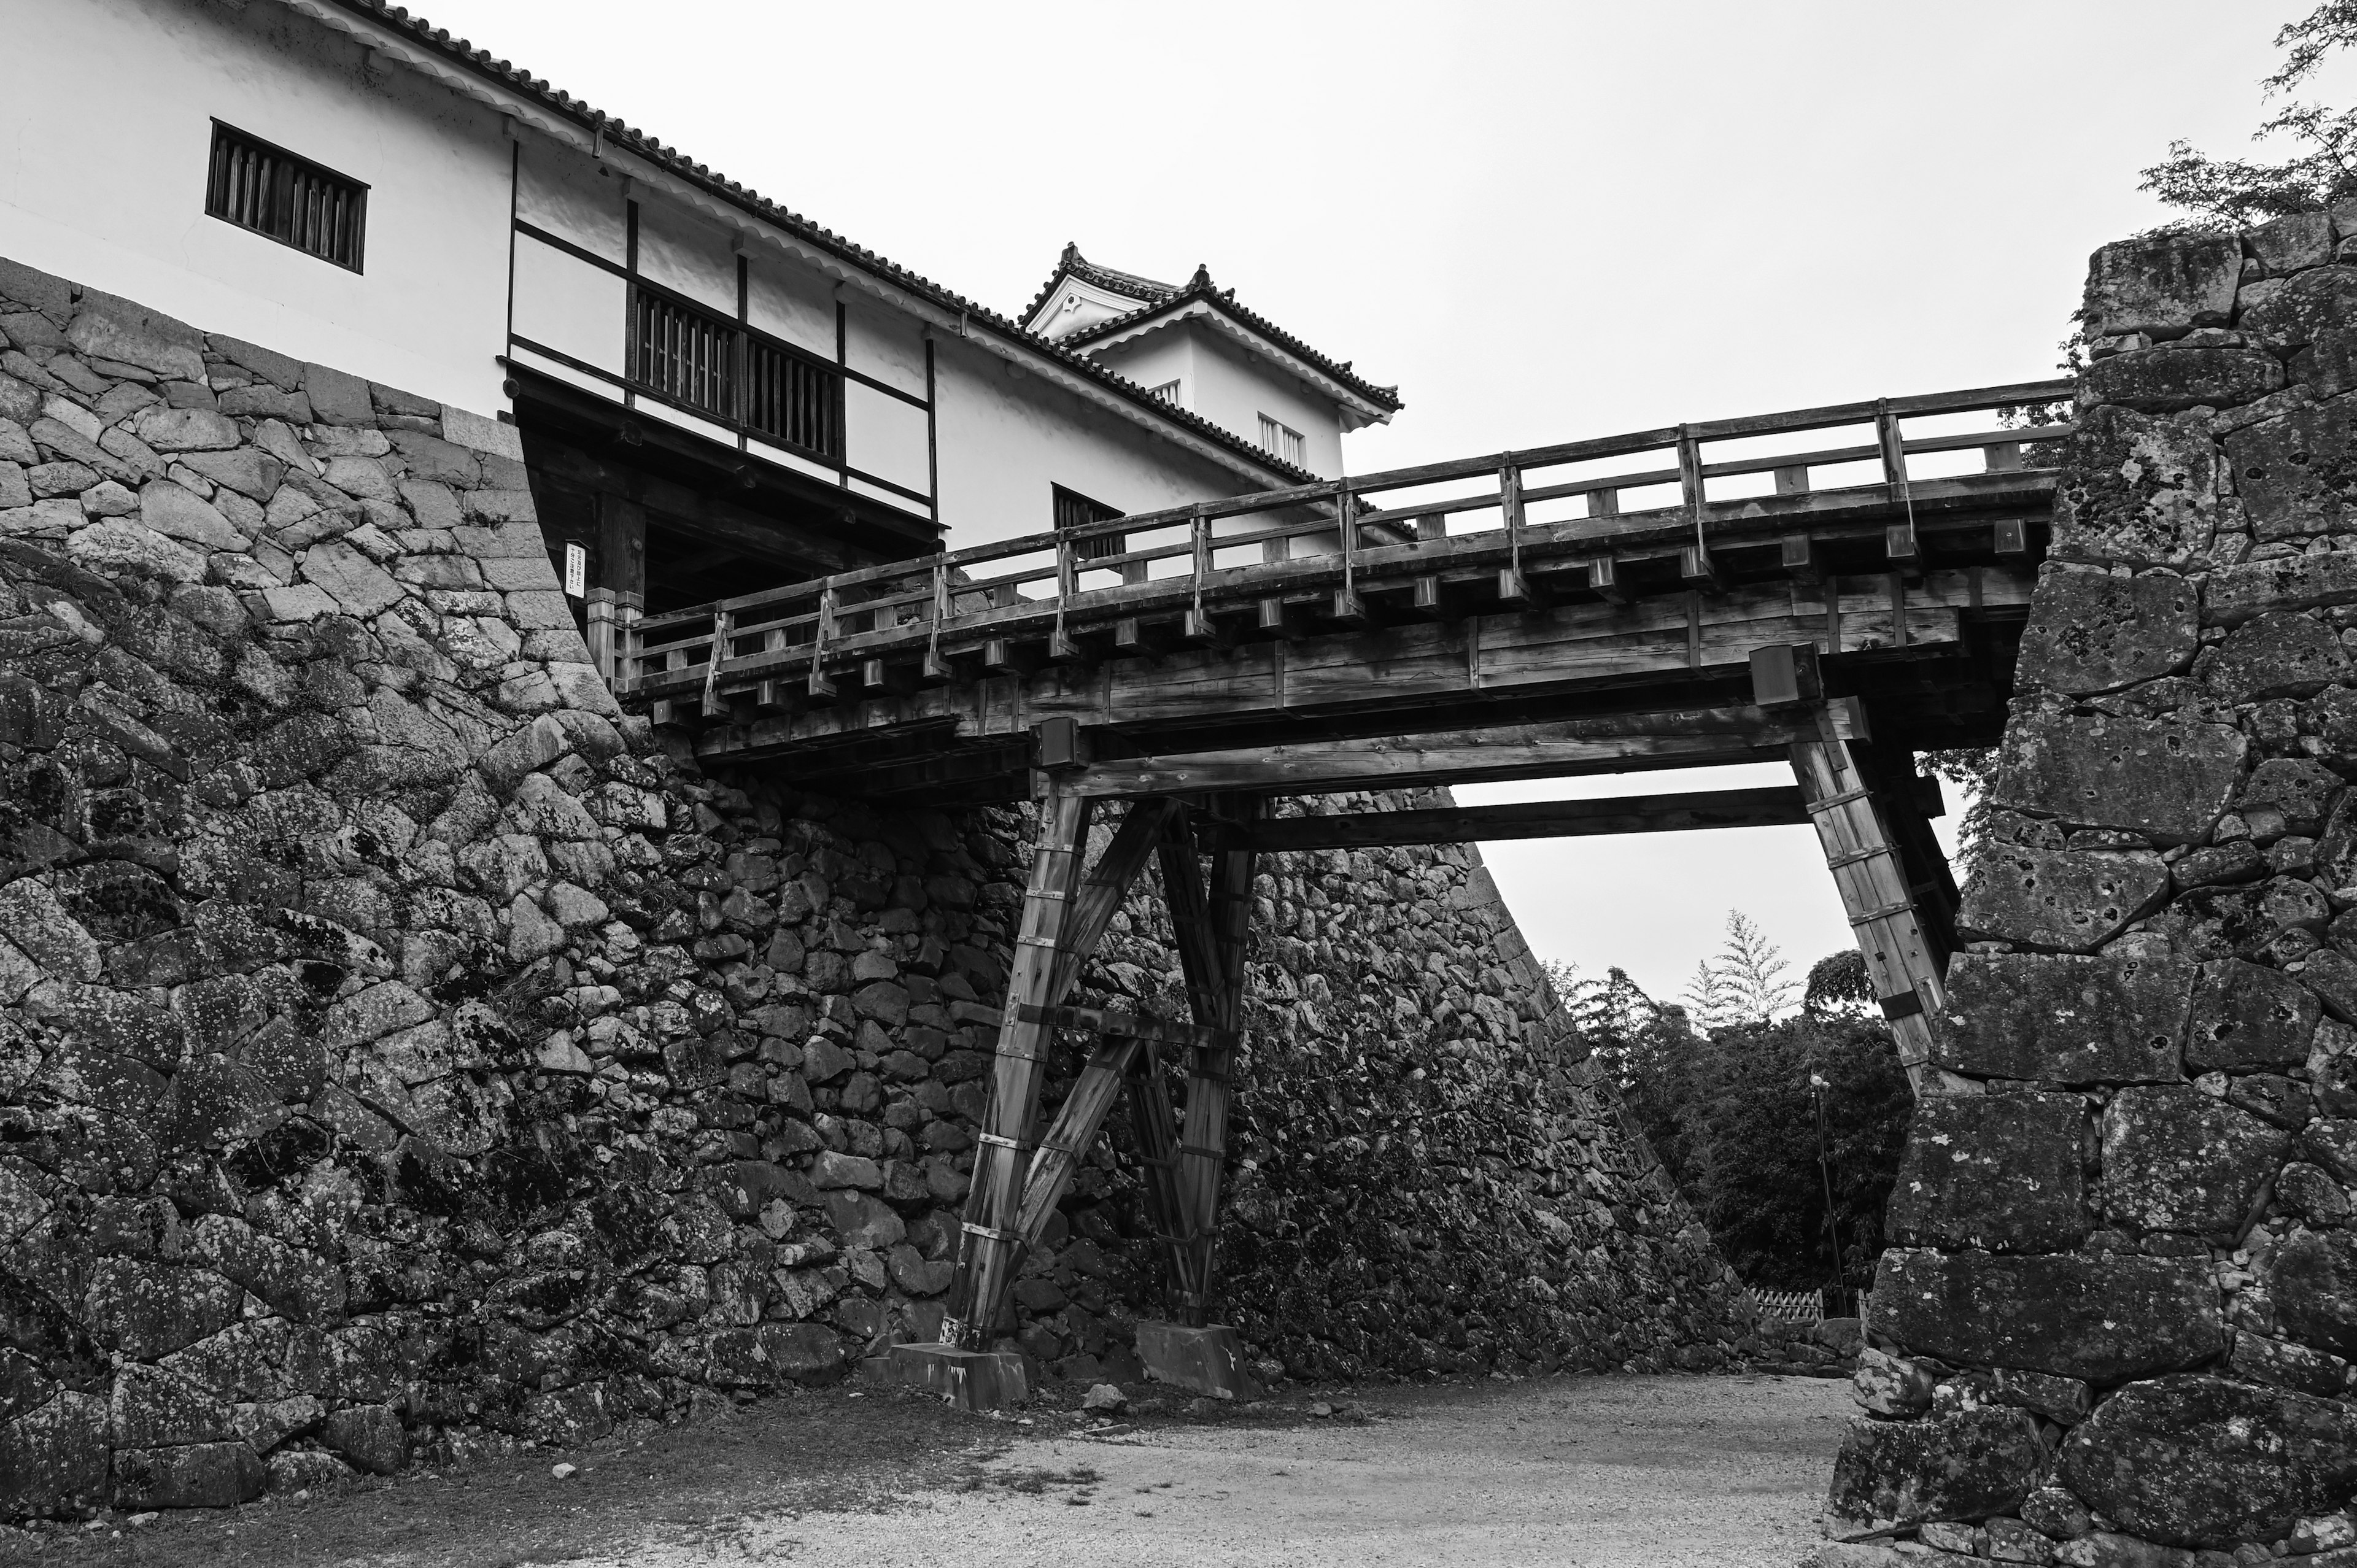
column 2176, row 1159
column 970, row 1379
column 2072, row 899
column 107, row 327
column 2104, row 1320
column 2282, row 653
column 2287, row 313
column 1999, row 1173
column 2234, row 594
column 2167, row 378
column 2168, row 781
column 2297, row 473
column 1206, row 1360
column 2163, row 283
column 2062, row 1018
column 1893, row 1474
column 2312, row 1280
column 2247, row 1016
column 196, row 1475
column 2090, row 632
column 2301, row 788
column 2202, row 1461
column 2139, row 489
column 54, row 1460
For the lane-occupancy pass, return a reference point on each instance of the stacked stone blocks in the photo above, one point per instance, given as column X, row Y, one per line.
column 404, row 1053
column 2117, row 1322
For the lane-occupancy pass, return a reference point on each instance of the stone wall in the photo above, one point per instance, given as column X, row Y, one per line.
column 407, row 1054
column 2118, row 1320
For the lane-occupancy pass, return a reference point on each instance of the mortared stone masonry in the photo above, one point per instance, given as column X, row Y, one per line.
column 406, row 1055
column 2118, row 1324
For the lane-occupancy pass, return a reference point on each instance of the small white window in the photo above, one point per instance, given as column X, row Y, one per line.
column 1168, row 392
column 1280, row 440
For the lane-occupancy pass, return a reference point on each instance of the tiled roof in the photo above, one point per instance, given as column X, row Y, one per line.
column 439, row 41
column 1162, row 297
column 1074, row 264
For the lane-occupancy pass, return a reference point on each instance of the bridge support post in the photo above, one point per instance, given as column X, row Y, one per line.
column 989, row 1246
column 1901, row 959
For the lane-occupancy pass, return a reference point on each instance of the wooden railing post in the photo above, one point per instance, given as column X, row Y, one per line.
column 723, row 622
column 1430, row 527
column 1513, row 586
column 1059, row 645
column 1198, row 625
column 822, row 633
column 1694, row 564
column 629, row 643
column 1347, row 607
column 599, row 607
column 936, row 667
column 1899, row 543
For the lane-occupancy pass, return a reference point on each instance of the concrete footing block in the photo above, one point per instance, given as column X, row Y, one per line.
column 970, row 1379
column 1208, row 1360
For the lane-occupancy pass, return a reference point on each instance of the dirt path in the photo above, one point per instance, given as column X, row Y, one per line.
column 1597, row 1472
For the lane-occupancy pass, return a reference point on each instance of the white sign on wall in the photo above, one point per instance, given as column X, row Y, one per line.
column 576, row 569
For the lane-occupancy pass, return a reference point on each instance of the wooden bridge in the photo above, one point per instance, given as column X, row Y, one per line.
column 1734, row 591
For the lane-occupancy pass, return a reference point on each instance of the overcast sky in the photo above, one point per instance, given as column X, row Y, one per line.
column 1542, row 221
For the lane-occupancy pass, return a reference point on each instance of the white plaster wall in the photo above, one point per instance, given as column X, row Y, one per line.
column 1156, row 358
column 106, row 130
column 564, row 303
column 1235, row 387
column 681, row 252
column 1004, row 440
column 793, row 302
column 572, row 196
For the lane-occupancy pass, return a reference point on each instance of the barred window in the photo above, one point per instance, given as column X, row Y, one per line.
column 1168, row 392
column 718, row 368
column 291, row 199
column 1280, row 440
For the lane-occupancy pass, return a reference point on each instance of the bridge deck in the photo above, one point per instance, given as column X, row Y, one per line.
column 1270, row 619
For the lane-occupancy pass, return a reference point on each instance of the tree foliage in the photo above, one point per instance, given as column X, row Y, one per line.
column 1731, row 1113
column 1745, row 984
column 2234, row 193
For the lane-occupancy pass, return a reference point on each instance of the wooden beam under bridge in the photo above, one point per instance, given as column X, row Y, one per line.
column 1775, row 806
column 1686, row 737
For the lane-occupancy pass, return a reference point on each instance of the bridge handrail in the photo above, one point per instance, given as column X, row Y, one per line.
column 928, row 596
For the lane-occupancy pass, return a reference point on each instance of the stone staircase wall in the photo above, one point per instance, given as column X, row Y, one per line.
column 405, row 1053
column 2117, row 1323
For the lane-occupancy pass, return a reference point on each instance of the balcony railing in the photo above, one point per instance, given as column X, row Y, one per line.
column 732, row 375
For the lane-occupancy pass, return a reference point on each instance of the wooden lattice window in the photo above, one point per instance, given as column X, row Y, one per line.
column 793, row 400
column 291, row 199
column 1073, row 511
column 685, row 354
column 711, row 365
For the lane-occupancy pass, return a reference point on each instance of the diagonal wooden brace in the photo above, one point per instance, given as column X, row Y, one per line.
column 987, row 1254
column 1076, row 1126
column 1899, row 958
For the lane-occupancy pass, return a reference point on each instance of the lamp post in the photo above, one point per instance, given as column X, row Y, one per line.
column 1817, row 1087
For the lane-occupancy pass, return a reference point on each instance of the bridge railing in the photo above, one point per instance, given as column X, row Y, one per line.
column 1581, row 499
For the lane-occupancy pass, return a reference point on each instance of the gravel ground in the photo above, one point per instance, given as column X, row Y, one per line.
column 1599, row 1472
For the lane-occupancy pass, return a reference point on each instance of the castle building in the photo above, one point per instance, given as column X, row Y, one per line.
column 715, row 394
